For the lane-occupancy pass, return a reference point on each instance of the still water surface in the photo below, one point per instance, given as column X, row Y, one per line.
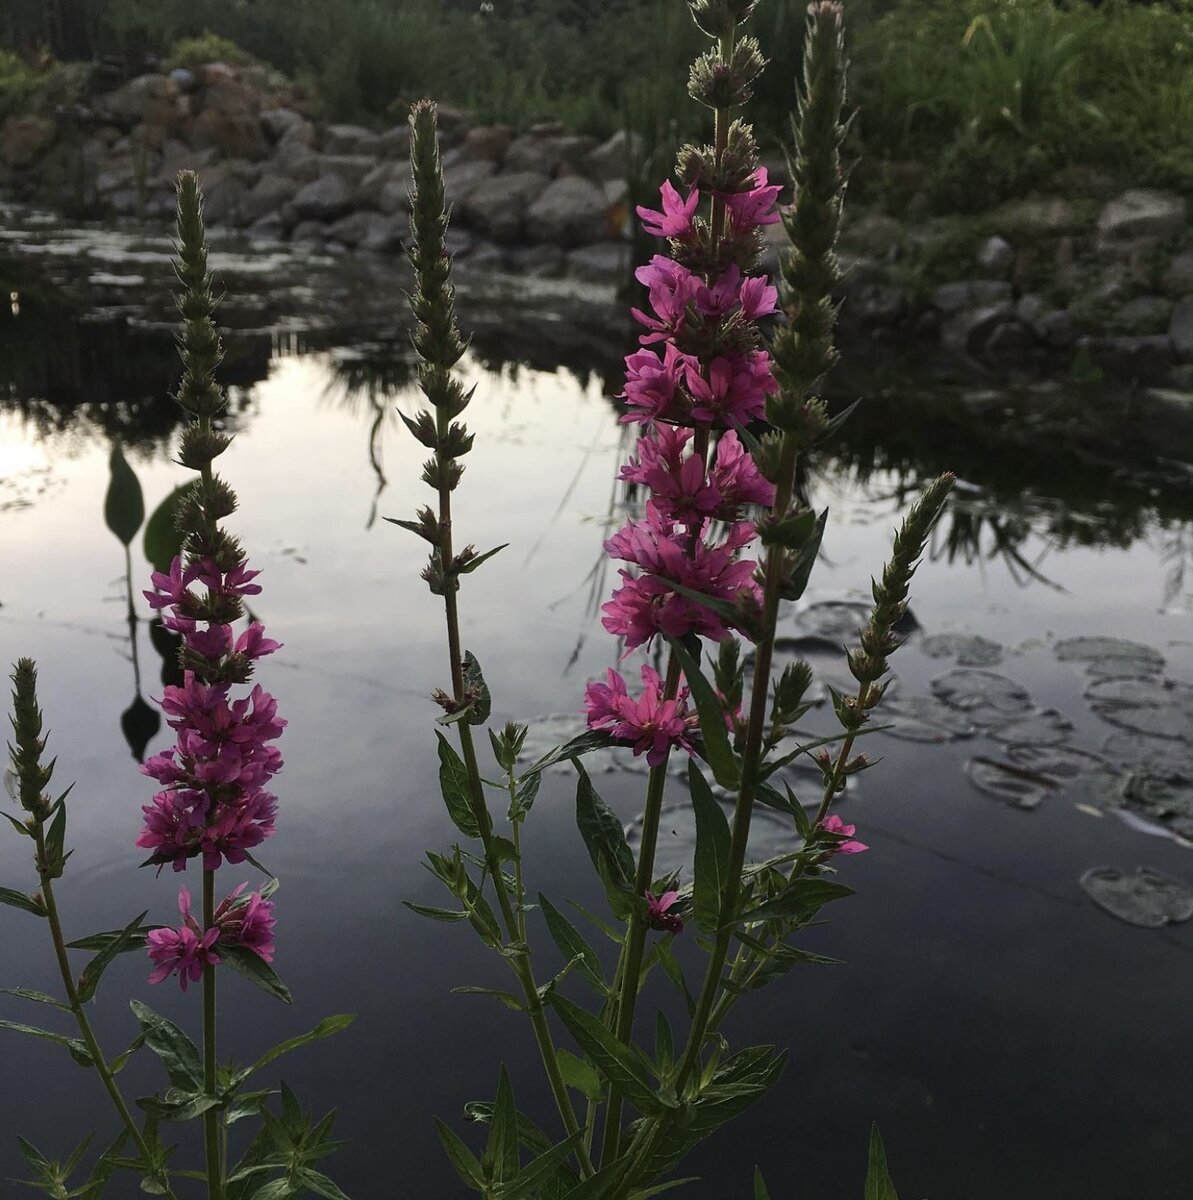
column 1012, row 1038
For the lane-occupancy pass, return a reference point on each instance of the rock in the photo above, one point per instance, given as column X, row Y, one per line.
column 385, row 234
column 1144, row 314
column 231, row 97
column 184, row 80
column 497, row 205
column 548, row 128
column 1057, row 330
column 1178, row 276
column 152, row 99
column 546, row 155
column 605, row 262
column 1031, row 308
column 25, row 137
column 453, row 121
column 487, row 142
column 1142, row 358
column 539, row 262
column 222, row 200
column 351, row 230
column 375, row 183
column 350, row 167
column 877, row 303
column 394, row 143
column 270, row 228
column 1141, row 213
column 970, row 330
column 349, row 139
column 1046, row 214
column 873, row 234
column 115, row 175
column 278, row 122
column 996, row 256
column 571, row 211
column 1180, row 329
column 325, row 198
column 486, row 256
column 395, row 195
column 458, row 242
column 969, row 293
column 235, row 135
column 308, row 231
column 297, row 160
column 460, row 180
column 268, row 195
column 1010, row 341
column 213, row 74
column 611, row 159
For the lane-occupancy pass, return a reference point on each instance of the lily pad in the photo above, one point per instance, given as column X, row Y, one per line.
column 1166, row 758
column 924, row 719
column 1057, row 762
column 1012, row 784
column 1141, row 792
column 836, row 621
column 1144, row 704
column 1044, row 727
column 968, row 650
column 1144, row 897
column 987, row 699
column 1110, row 657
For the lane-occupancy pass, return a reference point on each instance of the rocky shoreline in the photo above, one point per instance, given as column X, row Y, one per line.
column 1095, row 281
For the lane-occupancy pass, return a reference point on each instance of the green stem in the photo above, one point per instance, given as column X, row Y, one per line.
column 80, row 1016
column 211, row 1129
column 835, row 779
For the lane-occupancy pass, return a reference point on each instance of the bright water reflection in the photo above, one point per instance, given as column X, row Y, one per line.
column 1011, row 1037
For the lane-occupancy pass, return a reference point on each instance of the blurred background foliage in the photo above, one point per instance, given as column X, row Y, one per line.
column 993, row 97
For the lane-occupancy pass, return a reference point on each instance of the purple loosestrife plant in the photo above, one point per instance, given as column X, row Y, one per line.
column 212, row 807
column 723, row 539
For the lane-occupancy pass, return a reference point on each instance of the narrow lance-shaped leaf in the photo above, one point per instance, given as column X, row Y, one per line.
column 573, row 945
column 461, row 1158
column 878, row 1180
column 603, row 835
column 78, row 1050
column 178, row 1053
column 500, row 1158
column 712, row 852
column 124, row 506
column 19, row 900
column 130, row 937
column 162, row 541
column 725, row 767
column 256, row 970
column 453, row 782
column 326, row 1028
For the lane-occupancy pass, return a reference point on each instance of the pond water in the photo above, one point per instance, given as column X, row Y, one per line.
column 1013, row 1005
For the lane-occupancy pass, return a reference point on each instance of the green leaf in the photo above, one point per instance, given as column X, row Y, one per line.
column 453, row 783
column 326, row 1028
column 660, row 1188
column 712, row 852
column 803, row 898
column 436, row 914
column 572, row 945
column 36, row 997
column 131, row 937
column 603, row 834
column 616, row 1062
column 124, row 506
column 55, row 839
column 162, row 542
column 461, row 1158
column 604, row 1184
column 760, row 1192
column 506, row 998
column 541, row 1169
column 179, row 1055
column 255, row 969
column 674, row 972
column 524, row 797
column 20, row 900
column 121, row 1060
column 725, row 767
column 878, row 1180
column 581, row 744
column 100, row 941
column 472, row 564
column 474, row 680
column 320, row 1184
column 581, row 1075
column 77, row 1048
column 664, row 1043
column 178, row 1105
column 500, row 1160
column 276, row 1189
column 796, row 583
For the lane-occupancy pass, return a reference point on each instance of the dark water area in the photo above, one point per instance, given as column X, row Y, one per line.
column 1012, row 1037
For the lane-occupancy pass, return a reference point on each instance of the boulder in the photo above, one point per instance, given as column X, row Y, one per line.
column 372, row 186
column 308, row 231
column 222, row 199
column 351, row 167
column 457, row 242
column 486, row 256
column 969, row 293
column 460, row 180
column 278, row 122
column 394, row 143
column 605, row 262
column 149, row 98
column 873, row 234
column 996, row 256
column 537, row 262
column 324, row 199
column 547, row 155
column 270, row 228
column 1180, row 329
column 350, row 230
column 1145, row 358
column 571, row 211
column 970, row 331
column 1144, row 314
column 236, row 135
column 232, row 97
column 1141, row 213
column 1037, row 215
column 611, row 159
column 268, row 195
column 1009, row 341
column 25, row 138
column 395, row 195
column 486, row 142
column 297, row 160
column 1057, row 329
column 1178, row 276
column 349, row 139
column 497, row 205
column 385, row 234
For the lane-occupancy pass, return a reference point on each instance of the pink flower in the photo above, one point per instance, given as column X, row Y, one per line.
column 651, row 383
column 170, row 588
column 756, row 206
column 736, row 477
column 758, row 296
column 185, row 950
column 671, row 288
column 679, row 488
column 835, row 825
column 659, row 914
column 676, row 218
column 650, row 724
column 735, row 390
column 247, row 922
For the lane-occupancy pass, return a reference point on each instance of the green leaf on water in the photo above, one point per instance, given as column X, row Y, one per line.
column 162, row 541
column 124, row 506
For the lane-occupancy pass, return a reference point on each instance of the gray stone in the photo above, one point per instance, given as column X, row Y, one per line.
column 877, row 303
column 1057, row 330
column 268, row 195
column 270, row 228
column 25, row 138
column 458, row 242
column 394, row 143
column 308, row 231
column 539, row 262
column 327, row 197
column 1178, row 277
column 996, row 256
column 971, row 293
column 460, row 180
column 1142, row 358
column 497, row 205
column 1031, row 308
column 486, row 256
column 1141, row 213
column 951, row 297
column 278, row 122
column 297, row 160
column 1144, row 314
column 873, row 234
column 350, row 167
column 237, row 135
column 611, row 159
column 385, row 234
column 149, row 98
column 1047, row 214
column 351, row 230
column 546, row 155
column 486, row 142
column 395, row 195
column 349, row 139
column 222, row 200
column 1010, row 341
column 571, row 211
column 605, row 262
column 969, row 331
column 373, row 184
column 1180, row 329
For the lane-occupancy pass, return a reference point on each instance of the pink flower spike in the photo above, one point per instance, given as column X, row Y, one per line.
column 650, row 724
column 835, row 825
column 757, row 206
column 676, row 218
column 659, row 914
column 185, row 950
